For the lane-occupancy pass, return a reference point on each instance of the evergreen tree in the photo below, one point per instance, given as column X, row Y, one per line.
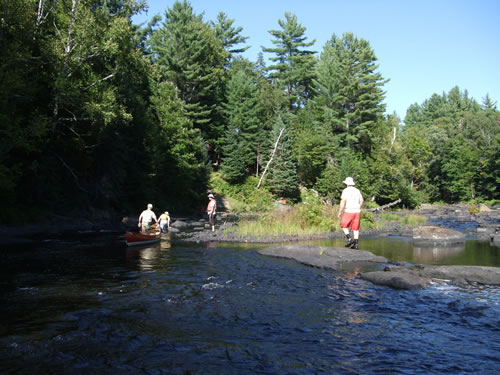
column 294, row 63
column 242, row 113
column 350, row 95
column 189, row 54
column 489, row 103
column 229, row 35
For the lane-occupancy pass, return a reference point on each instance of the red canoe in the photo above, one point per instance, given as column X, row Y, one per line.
column 136, row 239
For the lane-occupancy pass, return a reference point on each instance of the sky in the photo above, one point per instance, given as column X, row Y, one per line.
column 423, row 47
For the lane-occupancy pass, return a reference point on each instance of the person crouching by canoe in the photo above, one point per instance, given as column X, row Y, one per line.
column 164, row 220
column 146, row 218
column 212, row 210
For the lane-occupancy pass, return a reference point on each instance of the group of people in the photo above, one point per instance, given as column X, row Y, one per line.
column 147, row 218
column 351, row 201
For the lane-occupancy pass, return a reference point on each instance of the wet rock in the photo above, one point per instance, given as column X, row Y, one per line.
column 418, row 276
column 397, row 280
column 324, row 257
column 471, row 274
column 432, row 236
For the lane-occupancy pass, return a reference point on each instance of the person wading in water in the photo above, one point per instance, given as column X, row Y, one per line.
column 146, row 218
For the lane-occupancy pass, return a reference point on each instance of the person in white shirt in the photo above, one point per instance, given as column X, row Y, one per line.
column 350, row 205
column 146, row 218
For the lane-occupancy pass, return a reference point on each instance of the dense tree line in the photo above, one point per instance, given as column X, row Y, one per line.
column 98, row 112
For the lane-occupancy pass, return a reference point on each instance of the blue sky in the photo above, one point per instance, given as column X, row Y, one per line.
column 423, row 46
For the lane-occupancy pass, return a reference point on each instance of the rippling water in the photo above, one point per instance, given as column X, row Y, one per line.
column 224, row 309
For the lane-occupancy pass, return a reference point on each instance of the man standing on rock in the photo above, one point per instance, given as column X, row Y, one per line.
column 351, row 201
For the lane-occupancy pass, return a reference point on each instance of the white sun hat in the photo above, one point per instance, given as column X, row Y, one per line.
column 349, row 181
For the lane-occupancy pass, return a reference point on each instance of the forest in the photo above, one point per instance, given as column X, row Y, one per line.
column 97, row 112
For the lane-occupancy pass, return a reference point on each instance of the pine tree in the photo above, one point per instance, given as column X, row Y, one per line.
column 229, row 35
column 190, row 55
column 350, row 95
column 242, row 113
column 294, row 63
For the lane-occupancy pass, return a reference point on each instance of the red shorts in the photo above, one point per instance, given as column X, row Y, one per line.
column 350, row 220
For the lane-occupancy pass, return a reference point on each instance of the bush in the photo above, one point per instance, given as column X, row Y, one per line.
column 243, row 197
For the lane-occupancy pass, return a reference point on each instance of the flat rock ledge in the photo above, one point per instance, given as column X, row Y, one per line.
column 325, row 257
column 399, row 277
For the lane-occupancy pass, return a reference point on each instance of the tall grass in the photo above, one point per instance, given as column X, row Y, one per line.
column 295, row 221
column 304, row 220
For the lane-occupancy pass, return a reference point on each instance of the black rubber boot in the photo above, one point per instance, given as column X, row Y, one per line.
column 354, row 244
column 349, row 240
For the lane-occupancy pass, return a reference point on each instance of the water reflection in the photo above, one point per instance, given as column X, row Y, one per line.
column 145, row 258
column 428, row 254
column 402, row 249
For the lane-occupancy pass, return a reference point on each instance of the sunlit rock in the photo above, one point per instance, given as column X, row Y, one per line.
column 429, row 235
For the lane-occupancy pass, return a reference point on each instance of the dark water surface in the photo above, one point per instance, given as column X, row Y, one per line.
column 224, row 309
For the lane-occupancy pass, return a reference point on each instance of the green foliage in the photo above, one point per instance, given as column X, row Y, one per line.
column 177, row 154
column 451, row 143
column 191, row 56
column 312, row 150
column 299, row 220
column 243, row 197
column 240, row 143
column 229, row 35
column 350, row 97
column 281, row 179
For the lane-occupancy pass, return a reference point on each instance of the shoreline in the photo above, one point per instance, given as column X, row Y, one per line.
column 192, row 229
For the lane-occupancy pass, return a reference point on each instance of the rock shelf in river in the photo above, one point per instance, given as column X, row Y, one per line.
column 398, row 277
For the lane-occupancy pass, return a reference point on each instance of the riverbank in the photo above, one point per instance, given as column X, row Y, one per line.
column 480, row 223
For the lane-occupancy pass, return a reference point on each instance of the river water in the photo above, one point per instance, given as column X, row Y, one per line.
column 225, row 309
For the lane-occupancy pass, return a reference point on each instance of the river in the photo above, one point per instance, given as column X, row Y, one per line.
column 69, row 308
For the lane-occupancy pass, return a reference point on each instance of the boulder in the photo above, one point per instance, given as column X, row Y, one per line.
column 484, row 208
column 429, row 235
column 178, row 224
